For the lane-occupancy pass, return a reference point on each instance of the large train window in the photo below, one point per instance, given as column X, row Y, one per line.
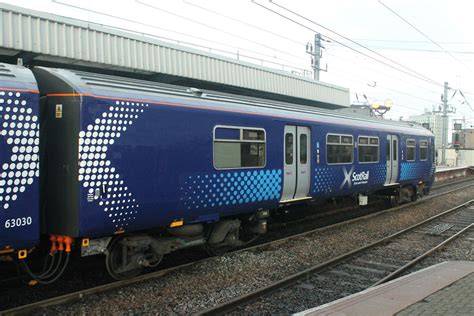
column 423, row 150
column 339, row 149
column 239, row 147
column 368, row 149
column 411, row 148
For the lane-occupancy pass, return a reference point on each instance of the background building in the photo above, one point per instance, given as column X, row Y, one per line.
column 434, row 121
column 463, row 138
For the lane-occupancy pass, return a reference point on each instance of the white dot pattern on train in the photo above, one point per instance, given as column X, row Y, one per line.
column 20, row 128
column 98, row 176
column 231, row 188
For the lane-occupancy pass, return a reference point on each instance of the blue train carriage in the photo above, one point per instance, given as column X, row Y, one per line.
column 19, row 154
column 138, row 169
column 368, row 156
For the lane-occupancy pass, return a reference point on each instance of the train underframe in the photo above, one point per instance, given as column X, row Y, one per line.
column 127, row 255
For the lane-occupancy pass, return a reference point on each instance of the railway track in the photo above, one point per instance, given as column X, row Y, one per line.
column 107, row 287
column 444, row 184
column 371, row 265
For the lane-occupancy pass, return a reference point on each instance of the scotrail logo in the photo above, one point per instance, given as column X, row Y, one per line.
column 360, row 178
column 354, row 178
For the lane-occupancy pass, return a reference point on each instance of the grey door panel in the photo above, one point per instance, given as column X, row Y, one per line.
column 303, row 162
column 393, row 159
column 289, row 170
column 297, row 162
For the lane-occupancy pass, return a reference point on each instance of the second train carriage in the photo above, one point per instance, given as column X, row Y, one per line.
column 162, row 167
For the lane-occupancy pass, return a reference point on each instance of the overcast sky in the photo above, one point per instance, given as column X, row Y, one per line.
column 243, row 28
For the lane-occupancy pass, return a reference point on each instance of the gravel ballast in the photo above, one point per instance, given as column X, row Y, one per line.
column 223, row 278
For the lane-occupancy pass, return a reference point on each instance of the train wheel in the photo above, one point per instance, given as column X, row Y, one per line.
column 119, row 260
column 394, row 201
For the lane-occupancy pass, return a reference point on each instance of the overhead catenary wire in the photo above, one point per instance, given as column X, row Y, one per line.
column 402, row 105
column 218, row 29
column 291, row 40
column 423, row 33
column 378, row 72
column 419, row 50
column 410, row 71
column 406, row 41
column 344, row 74
column 243, row 22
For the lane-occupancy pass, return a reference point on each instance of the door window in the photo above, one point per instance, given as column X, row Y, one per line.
column 395, row 150
column 303, row 149
column 289, row 148
column 388, row 150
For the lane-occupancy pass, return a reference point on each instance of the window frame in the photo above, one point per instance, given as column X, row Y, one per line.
column 341, row 144
column 406, row 146
column 427, row 149
column 368, row 145
column 240, row 140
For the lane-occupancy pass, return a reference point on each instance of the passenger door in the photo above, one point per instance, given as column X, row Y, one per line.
column 297, row 163
column 393, row 159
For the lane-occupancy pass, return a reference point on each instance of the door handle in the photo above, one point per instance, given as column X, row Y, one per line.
column 289, row 172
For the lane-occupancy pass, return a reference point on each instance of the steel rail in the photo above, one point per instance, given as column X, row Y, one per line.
column 243, row 300
column 410, row 264
column 446, row 183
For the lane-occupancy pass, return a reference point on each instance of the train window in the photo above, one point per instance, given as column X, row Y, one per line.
column 346, row 139
column 368, row 149
column 303, row 149
column 423, row 150
column 289, row 148
column 253, row 135
column 394, row 150
column 334, row 139
column 388, row 151
column 227, row 133
column 339, row 149
column 236, row 147
column 411, row 149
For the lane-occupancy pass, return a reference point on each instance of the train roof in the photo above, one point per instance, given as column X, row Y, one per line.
column 147, row 91
column 17, row 77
